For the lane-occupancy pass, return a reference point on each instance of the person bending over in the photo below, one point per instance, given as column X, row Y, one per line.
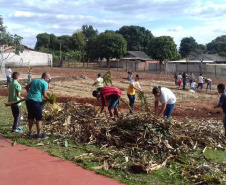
column 166, row 98
column 111, row 94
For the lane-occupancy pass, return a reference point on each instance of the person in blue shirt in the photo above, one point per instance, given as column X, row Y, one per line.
column 36, row 90
column 222, row 102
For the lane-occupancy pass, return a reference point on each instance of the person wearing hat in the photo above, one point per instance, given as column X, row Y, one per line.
column 99, row 82
column 133, row 86
column 109, row 94
column 166, row 98
column 130, row 75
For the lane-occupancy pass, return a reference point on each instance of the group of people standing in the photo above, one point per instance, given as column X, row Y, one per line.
column 193, row 86
column 112, row 95
column 36, row 90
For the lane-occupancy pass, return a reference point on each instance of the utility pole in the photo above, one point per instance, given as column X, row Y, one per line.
column 83, row 53
column 61, row 56
column 84, row 40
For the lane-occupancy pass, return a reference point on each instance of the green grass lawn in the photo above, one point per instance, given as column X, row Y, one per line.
column 87, row 155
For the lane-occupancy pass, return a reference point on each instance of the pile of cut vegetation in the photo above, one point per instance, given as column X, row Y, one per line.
column 147, row 143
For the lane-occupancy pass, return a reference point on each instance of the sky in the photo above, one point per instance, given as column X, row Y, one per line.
column 202, row 19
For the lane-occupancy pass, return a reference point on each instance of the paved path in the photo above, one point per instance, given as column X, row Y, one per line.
column 23, row 165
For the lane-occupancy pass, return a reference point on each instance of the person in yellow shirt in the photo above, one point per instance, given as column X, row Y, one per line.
column 99, row 82
column 133, row 86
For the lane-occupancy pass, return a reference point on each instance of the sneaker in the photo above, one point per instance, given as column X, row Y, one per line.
column 42, row 136
column 20, row 127
column 17, row 131
column 31, row 134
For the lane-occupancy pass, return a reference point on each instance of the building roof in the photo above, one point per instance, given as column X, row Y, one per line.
column 139, row 55
column 28, row 48
column 214, row 57
column 207, row 58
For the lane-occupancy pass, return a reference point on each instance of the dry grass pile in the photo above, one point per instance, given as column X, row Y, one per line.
column 144, row 141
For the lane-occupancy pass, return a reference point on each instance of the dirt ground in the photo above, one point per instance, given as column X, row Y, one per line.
column 77, row 86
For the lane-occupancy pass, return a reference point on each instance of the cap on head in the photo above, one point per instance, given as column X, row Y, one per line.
column 99, row 75
column 155, row 90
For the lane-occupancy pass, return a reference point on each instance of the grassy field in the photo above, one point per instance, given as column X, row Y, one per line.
column 56, row 146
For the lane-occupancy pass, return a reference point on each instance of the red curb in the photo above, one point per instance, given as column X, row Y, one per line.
column 23, row 165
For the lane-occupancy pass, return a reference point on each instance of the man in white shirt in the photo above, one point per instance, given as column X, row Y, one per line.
column 200, row 84
column 193, row 85
column 8, row 76
column 166, row 98
column 99, row 82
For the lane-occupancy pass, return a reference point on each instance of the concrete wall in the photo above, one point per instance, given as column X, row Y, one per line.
column 33, row 58
column 154, row 67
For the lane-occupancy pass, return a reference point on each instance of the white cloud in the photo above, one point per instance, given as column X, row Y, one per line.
column 176, row 29
column 18, row 14
column 161, row 17
column 55, row 26
column 209, row 10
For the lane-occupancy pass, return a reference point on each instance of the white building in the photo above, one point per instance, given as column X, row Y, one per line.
column 28, row 57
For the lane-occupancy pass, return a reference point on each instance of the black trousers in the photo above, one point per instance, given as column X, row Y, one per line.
column 16, row 111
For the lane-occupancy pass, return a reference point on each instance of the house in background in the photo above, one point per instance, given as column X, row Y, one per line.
column 132, row 60
column 206, row 63
column 28, row 57
column 209, row 58
column 205, row 59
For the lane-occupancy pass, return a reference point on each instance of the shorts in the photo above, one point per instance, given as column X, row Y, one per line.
column 34, row 109
column 200, row 85
column 8, row 79
column 224, row 120
column 179, row 82
column 113, row 103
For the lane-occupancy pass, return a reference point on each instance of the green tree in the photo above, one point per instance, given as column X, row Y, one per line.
column 89, row 32
column 92, row 49
column 54, row 43
column 137, row 37
column 43, row 40
column 161, row 48
column 187, row 45
column 66, row 43
column 48, row 41
column 222, row 54
column 78, row 40
column 110, row 45
column 6, row 40
column 217, row 45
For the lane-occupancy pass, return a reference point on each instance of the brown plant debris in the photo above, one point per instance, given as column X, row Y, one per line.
column 146, row 142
